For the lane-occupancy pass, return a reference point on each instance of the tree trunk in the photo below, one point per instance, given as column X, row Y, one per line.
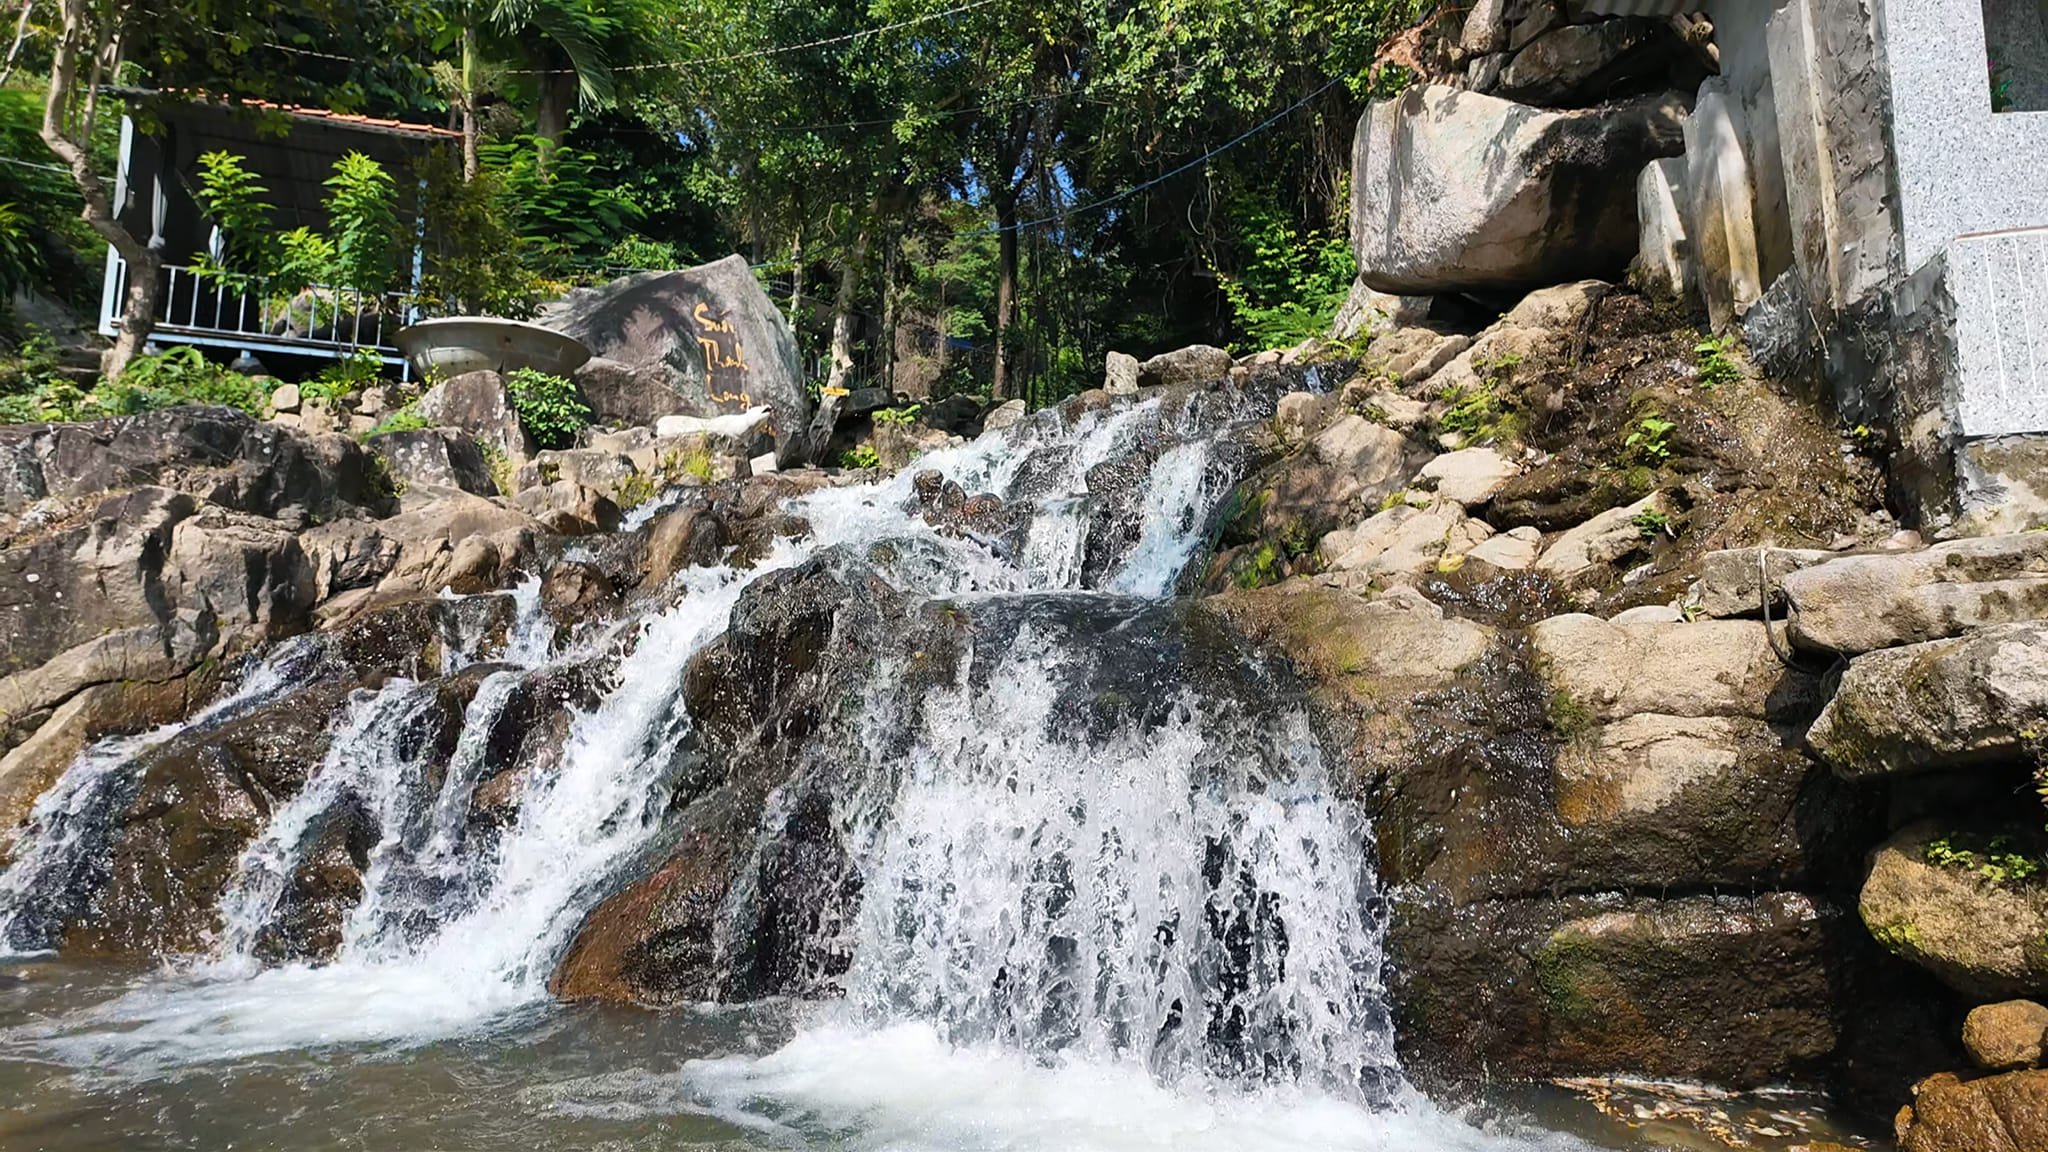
column 64, row 133
column 20, row 35
column 469, row 159
column 1006, row 288
column 796, row 279
column 888, row 372
column 842, row 312
column 551, row 112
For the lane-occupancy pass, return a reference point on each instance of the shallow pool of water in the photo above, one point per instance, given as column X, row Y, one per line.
column 764, row 1077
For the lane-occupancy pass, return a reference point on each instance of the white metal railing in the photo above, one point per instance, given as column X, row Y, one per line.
column 320, row 320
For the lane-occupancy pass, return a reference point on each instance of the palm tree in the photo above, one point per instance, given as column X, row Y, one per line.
column 566, row 47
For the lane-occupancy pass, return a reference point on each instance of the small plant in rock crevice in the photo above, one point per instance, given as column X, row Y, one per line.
column 549, row 407
column 898, row 416
column 1652, row 523
column 1997, row 859
column 1477, row 414
column 406, row 419
column 1650, row 443
column 1716, row 367
column 861, row 456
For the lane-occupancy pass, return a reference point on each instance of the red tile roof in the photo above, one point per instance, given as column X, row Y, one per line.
column 301, row 112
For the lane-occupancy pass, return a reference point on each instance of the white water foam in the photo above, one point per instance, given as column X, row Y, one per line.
column 904, row 1089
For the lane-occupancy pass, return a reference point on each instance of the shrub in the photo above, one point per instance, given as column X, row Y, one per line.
column 898, row 415
column 1289, row 283
column 179, row 376
column 861, row 456
column 550, row 408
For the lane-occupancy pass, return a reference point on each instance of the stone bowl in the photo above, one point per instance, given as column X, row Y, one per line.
column 457, row 344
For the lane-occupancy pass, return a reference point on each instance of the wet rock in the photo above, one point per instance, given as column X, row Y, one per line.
column 1981, row 931
column 2008, row 1035
column 1959, row 703
column 1458, row 192
column 898, row 444
column 475, row 403
column 200, row 800
column 1586, row 551
column 573, row 592
column 435, row 456
column 1857, row 604
column 1193, row 366
column 689, row 537
column 1588, row 984
column 247, row 572
column 2006, row 1113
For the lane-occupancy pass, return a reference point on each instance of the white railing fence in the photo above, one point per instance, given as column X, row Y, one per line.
column 320, row 320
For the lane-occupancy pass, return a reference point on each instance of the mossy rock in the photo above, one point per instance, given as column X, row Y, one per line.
column 1966, row 906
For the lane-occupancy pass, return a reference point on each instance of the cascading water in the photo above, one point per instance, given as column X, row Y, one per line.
column 1169, row 890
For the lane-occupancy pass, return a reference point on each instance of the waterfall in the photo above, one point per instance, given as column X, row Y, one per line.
column 56, row 855
column 1173, row 884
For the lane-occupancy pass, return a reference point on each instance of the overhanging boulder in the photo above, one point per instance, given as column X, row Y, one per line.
column 1454, row 191
column 703, row 341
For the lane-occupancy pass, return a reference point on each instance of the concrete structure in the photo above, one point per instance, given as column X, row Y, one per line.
column 1871, row 176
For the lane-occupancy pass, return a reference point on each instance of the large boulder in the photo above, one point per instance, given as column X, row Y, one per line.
column 1861, row 603
column 1944, row 704
column 1605, row 671
column 2006, row 1035
column 1189, row 367
column 702, row 341
column 1455, row 191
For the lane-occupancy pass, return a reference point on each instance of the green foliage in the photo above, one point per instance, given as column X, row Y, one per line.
column 360, row 251
column 1715, row 366
column 405, row 419
column 565, row 210
column 634, row 491
column 1568, row 717
column 362, row 224
column 31, row 389
column 1289, row 282
column 1260, row 567
column 1998, row 859
column 550, row 408
column 860, row 456
column 1651, row 523
column 231, row 196
column 1650, row 443
column 21, row 258
column 476, row 261
column 697, row 464
column 498, row 465
column 345, row 377
column 179, row 376
column 2001, row 85
column 899, row 416
column 640, row 252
